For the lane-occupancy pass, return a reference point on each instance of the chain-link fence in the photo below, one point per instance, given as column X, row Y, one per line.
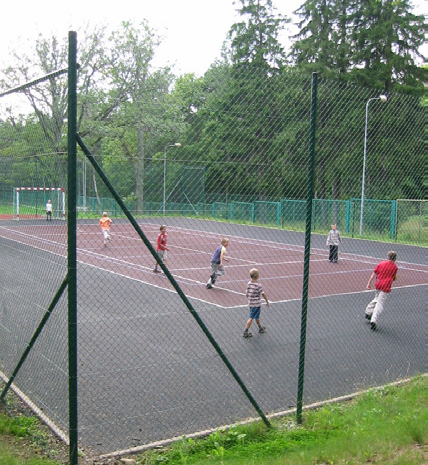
column 162, row 354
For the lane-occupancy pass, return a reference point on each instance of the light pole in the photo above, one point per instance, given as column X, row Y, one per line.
column 177, row 144
column 383, row 99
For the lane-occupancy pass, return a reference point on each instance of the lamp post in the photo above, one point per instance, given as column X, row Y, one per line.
column 383, row 99
column 177, row 144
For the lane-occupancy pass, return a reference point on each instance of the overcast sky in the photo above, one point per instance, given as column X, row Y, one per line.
column 193, row 31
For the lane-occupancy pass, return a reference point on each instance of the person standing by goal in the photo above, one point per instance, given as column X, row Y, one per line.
column 48, row 211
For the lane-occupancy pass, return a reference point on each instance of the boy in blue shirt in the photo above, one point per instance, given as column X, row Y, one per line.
column 217, row 259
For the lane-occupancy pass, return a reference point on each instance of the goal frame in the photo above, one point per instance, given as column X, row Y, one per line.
column 17, row 190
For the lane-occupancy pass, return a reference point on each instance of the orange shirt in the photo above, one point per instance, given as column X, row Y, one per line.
column 105, row 222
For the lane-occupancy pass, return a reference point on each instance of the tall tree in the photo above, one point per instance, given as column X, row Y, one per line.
column 371, row 42
column 49, row 100
column 387, row 37
column 255, row 38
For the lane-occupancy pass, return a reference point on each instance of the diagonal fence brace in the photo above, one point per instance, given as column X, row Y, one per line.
column 171, row 279
column 36, row 334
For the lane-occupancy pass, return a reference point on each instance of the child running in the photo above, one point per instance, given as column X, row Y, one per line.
column 385, row 273
column 105, row 223
column 161, row 247
column 254, row 293
column 217, row 259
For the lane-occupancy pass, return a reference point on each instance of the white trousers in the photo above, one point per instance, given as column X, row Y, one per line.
column 106, row 234
column 375, row 307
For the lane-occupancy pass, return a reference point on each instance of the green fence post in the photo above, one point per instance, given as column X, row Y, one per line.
column 278, row 214
column 72, row 245
column 309, row 202
column 393, row 211
column 348, row 217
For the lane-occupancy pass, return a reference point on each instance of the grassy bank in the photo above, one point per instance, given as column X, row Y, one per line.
column 383, row 426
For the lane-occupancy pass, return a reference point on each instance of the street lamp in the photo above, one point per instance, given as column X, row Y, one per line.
column 177, row 144
column 383, row 99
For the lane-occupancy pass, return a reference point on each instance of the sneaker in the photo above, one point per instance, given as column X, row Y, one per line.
column 262, row 329
column 367, row 316
column 247, row 334
column 209, row 286
column 156, row 271
column 373, row 326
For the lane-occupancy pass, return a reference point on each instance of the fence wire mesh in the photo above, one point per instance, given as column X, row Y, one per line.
column 232, row 163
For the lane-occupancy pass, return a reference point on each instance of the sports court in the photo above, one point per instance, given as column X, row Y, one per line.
column 280, row 263
column 143, row 359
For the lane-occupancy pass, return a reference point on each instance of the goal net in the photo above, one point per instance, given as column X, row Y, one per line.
column 30, row 202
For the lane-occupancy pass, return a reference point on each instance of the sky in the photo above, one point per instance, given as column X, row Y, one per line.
column 193, row 31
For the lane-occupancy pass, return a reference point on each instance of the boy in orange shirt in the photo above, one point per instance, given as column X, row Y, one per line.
column 105, row 223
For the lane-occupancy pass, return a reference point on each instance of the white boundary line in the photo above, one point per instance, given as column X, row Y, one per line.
column 38, row 412
column 184, row 280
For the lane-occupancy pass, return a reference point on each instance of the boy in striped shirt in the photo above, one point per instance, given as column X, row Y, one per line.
column 254, row 294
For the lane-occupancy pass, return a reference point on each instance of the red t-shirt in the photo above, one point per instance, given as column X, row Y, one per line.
column 386, row 272
column 161, row 243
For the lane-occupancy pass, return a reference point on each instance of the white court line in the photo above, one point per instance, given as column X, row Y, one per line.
column 269, row 243
column 330, row 295
column 252, row 262
column 251, row 241
column 180, row 279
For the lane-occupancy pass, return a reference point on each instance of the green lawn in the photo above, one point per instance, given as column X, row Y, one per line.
column 385, row 426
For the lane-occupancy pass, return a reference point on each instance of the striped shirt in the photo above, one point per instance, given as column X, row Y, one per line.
column 254, row 294
column 333, row 237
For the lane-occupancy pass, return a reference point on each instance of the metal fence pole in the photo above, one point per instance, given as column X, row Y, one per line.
column 309, row 197
column 72, row 243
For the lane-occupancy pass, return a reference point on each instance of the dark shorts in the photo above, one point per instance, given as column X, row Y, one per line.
column 255, row 313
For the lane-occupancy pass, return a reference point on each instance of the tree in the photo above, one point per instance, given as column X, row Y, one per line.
column 321, row 43
column 255, row 39
column 120, row 94
column 371, row 42
column 387, row 37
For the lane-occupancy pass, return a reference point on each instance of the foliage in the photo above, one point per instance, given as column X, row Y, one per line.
column 254, row 40
column 245, row 122
column 371, row 43
column 378, row 425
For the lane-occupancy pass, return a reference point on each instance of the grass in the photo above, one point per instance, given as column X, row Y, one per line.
column 385, row 426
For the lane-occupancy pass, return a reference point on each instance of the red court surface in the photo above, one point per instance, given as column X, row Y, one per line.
column 280, row 265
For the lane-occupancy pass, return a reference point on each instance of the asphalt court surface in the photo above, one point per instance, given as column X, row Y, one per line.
column 146, row 370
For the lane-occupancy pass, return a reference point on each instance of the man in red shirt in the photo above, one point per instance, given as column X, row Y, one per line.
column 385, row 273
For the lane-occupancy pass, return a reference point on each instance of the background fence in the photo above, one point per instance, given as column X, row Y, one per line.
column 232, row 164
